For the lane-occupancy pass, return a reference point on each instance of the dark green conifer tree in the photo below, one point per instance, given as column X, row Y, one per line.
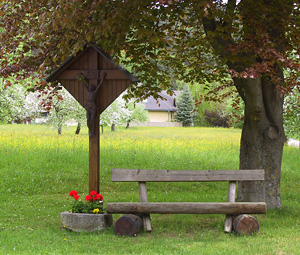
column 185, row 105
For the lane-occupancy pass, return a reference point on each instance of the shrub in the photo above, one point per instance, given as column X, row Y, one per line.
column 216, row 118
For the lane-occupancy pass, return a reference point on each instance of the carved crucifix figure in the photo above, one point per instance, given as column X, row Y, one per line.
column 91, row 104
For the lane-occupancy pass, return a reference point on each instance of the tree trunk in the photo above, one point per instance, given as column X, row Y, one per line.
column 262, row 135
column 59, row 128
column 262, row 139
column 113, row 127
column 102, row 129
column 78, row 128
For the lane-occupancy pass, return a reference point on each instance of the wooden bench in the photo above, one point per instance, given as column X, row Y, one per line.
column 145, row 208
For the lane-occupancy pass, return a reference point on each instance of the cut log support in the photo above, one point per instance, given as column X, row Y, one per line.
column 188, row 208
column 128, row 225
column 144, row 199
column 245, row 224
column 231, row 198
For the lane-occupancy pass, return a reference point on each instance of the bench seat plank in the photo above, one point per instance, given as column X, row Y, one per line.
column 188, row 208
column 138, row 175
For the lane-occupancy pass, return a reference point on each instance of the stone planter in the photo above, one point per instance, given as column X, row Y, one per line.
column 80, row 222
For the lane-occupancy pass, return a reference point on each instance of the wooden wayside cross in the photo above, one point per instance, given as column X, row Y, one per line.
column 95, row 82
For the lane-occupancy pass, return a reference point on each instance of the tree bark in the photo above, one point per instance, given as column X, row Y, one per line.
column 262, row 140
column 128, row 123
column 78, row 128
column 59, row 128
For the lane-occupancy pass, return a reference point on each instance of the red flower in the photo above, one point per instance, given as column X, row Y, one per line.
column 88, row 198
column 76, row 197
column 93, row 193
column 98, row 197
column 73, row 193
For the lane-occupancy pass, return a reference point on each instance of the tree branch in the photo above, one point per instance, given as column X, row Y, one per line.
column 230, row 8
column 219, row 33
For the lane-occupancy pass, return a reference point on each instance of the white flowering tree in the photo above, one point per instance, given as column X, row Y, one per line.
column 65, row 108
column 17, row 105
column 120, row 113
column 114, row 114
column 137, row 113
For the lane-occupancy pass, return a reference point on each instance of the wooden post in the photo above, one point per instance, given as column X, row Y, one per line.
column 144, row 198
column 94, row 154
column 231, row 198
column 94, row 147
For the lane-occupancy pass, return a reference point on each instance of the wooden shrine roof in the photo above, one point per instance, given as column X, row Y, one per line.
column 69, row 61
column 94, row 64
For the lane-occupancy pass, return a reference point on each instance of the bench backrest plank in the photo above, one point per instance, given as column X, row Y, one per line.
column 138, row 175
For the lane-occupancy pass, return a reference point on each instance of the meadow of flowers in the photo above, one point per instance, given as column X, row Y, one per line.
column 38, row 169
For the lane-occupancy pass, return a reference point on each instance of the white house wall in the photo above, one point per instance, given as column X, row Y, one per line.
column 160, row 116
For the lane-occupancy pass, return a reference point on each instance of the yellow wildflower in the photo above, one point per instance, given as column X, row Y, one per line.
column 96, row 210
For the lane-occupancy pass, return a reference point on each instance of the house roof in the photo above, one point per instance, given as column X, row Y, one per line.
column 169, row 104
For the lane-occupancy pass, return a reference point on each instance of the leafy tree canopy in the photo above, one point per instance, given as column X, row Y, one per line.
column 160, row 39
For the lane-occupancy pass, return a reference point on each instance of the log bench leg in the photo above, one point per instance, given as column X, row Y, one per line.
column 228, row 224
column 147, row 223
column 144, row 198
column 245, row 224
column 231, row 198
column 128, row 225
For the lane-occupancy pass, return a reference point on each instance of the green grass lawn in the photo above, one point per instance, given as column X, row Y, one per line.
column 38, row 168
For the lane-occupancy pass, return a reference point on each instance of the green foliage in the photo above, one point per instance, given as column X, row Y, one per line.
column 234, row 109
column 199, row 117
column 5, row 109
column 203, row 103
column 160, row 41
column 137, row 112
column 212, row 98
column 216, row 118
column 291, row 114
column 185, row 107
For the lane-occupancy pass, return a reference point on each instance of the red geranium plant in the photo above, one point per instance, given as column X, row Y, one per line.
column 93, row 203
